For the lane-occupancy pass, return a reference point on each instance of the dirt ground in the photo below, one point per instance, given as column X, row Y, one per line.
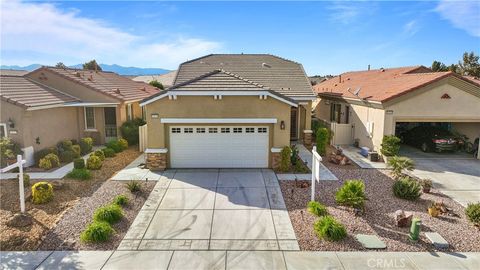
column 47, row 215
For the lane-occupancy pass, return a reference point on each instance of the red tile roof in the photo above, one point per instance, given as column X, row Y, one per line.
column 381, row 84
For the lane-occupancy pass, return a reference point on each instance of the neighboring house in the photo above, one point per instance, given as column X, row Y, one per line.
column 50, row 104
column 229, row 110
column 366, row 105
column 165, row 79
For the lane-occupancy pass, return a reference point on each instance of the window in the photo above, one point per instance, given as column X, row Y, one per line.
column 129, row 112
column 3, row 130
column 212, row 130
column 237, row 130
column 335, row 111
column 89, row 118
column 262, row 130
column 176, row 130
column 188, row 130
column 200, row 130
column 250, row 130
column 225, row 130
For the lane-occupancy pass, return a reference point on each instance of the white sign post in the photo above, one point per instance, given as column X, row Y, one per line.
column 18, row 164
column 316, row 159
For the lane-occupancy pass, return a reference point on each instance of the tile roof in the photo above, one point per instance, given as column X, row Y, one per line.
column 382, row 84
column 108, row 83
column 28, row 94
column 280, row 75
column 165, row 79
column 13, row 72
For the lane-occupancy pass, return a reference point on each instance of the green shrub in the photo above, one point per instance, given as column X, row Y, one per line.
column 108, row 152
column 390, row 145
column 329, row 229
column 97, row 232
column 8, row 150
column 94, row 163
column 42, row 192
column 322, row 137
column 54, row 160
column 317, row 208
column 45, row 164
column 407, row 188
column 86, row 145
column 398, row 164
column 351, row 194
column 67, row 156
column 65, row 145
column 77, row 150
column 115, row 145
column 99, row 154
column 42, row 153
column 26, row 179
column 81, row 174
column 120, row 200
column 133, row 186
column 123, row 143
column 300, row 167
column 79, row 163
column 473, row 213
column 285, row 161
column 129, row 130
column 110, row 213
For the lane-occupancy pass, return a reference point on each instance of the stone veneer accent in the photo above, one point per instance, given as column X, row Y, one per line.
column 276, row 158
column 307, row 138
column 156, row 161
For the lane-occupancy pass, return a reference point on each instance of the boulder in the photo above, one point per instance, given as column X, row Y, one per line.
column 57, row 184
column 20, row 220
column 402, row 218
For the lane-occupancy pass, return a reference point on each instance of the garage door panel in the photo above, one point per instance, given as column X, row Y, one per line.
column 219, row 150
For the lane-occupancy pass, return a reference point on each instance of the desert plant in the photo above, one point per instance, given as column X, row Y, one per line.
column 45, row 164
column 352, row 194
column 322, row 137
column 390, row 145
column 42, row 192
column 473, row 213
column 407, row 188
column 54, row 160
column 120, row 200
column 97, row 232
column 115, row 145
column 300, row 167
column 65, row 145
column 100, row 154
column 317, row 208
column 77, row 150
column 26, row 179
column 67, row 156
column 294, row 155
column 108, row 152
column 285, row 160
column 81, row 174
column 398, row 164
column 43, row 152
column 110, row 213
column 123, row 143
column 329, row 229
column 8, row 150
column 426, row 185
column 86, row 145
column 79, row 163
column 94, row 162
column 133, row 186
column 129, row 130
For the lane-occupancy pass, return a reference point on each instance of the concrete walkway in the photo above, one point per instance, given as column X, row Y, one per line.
column 213, row 209
column 257, row 260
column 353, row 154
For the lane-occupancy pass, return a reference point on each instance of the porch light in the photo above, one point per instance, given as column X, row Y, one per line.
column 10, row 122
column 282, row 125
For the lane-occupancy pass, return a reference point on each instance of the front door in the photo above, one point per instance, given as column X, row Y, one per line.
column 110, row 123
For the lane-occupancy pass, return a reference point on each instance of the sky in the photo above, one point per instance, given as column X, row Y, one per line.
column 326, row 37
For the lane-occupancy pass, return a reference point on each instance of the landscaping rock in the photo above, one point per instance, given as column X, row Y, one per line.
column 437, row 240
column 57, row 184
column 20, row 220
column 402, row 218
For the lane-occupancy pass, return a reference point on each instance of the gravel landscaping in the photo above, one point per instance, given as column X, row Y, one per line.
column 379, row 216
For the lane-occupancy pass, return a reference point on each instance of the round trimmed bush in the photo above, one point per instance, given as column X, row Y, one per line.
column 81, row 174
column 329, row 229
column 65, row 145
column 351, row 194
column 42, row 153
column 123, row 143
column 79, row 163
column 407, row 188
column 99, row 154
column 42, row 192
column 317, row 208
column 67, row 156
column 86, row 145
column 54, row 160
column 109, row 152
column 77, row 150
column 94, row 162
column 120, row 200
column 45, row 164
column 111, row 213
column 115, row 145
column 473, row 213
column 97, row 232
column 129, row 130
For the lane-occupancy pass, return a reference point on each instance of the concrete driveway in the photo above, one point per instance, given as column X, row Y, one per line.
column 213, row 210
column 454, row 174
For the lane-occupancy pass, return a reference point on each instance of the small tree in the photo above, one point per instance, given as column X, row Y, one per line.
column 469, row 65
column 92, row 65
column 285, row 159
column 322, row 138
column 390, row 145
column 157, row 84
column 60, row 65
column 398, row 164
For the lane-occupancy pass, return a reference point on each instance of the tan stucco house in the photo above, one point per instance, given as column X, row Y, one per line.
column 229, row 110
column 47, row 105
column 364, row 106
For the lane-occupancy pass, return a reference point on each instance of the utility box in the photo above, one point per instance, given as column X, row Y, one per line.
column 415, row 229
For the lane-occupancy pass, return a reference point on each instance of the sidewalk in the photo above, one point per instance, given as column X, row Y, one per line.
column 353, row 154
column 291, row 260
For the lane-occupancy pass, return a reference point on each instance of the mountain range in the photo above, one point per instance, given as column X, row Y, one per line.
column 132, row 71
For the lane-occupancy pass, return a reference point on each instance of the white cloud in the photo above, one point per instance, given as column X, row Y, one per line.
column 39, row 32
column 410, row 28
column 348, row 12
column 464, row 15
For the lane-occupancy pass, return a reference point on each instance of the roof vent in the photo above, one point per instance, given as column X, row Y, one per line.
column 382, row 69
column 117, row 90
column 266, row 65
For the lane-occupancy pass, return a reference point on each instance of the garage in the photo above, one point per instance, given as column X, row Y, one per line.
column 219, row 146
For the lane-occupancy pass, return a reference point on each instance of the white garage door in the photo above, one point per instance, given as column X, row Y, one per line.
column 218, row 147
